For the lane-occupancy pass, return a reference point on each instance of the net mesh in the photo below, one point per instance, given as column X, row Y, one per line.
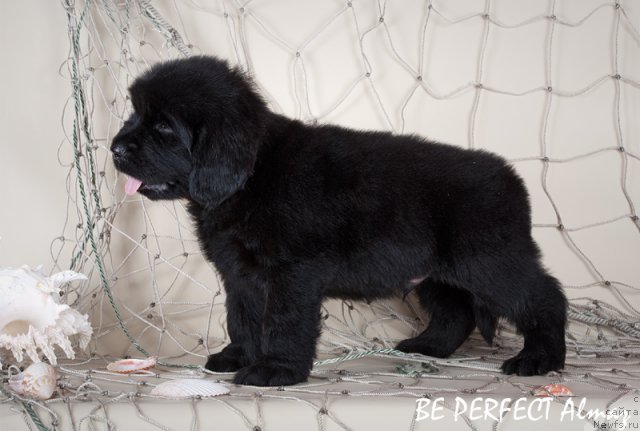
column 369, row 64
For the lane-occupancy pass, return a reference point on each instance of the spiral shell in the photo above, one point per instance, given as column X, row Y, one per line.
column 31, row 318
column 37, row 381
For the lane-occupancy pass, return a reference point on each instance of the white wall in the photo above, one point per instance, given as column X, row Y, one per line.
column 32, row 96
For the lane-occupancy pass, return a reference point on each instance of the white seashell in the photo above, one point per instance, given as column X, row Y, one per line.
column 127, row 366
column 31, row 319
column 37, row 381
column 187, row 388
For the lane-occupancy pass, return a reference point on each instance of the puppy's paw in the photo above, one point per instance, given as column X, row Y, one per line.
column 231, row 358
column 269, row 373
column 425, row 347
column 532, row 363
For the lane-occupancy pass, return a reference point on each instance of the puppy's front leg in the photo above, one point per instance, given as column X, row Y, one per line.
column 290, row 329
column 245, row 308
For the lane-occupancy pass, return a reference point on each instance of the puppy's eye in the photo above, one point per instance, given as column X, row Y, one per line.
column 163, row 127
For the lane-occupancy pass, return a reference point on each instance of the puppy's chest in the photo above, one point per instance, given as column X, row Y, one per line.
column 244, row 252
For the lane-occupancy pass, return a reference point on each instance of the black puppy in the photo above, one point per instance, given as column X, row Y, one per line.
column 291, row 213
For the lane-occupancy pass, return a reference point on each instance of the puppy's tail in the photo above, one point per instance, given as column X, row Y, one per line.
column 486, row 322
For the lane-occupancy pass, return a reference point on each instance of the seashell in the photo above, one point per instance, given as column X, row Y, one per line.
column 128, row 366
column 37, row 381
column 31, row 318
column 552, row 389
column 188, row 388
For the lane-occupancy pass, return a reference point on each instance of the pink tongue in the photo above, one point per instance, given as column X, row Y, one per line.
column 132, row 185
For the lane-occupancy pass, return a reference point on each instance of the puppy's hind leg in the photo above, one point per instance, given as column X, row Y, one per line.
column 452, row 320
column 541, row 317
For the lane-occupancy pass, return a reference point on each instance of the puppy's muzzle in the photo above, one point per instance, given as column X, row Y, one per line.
column 120, row 151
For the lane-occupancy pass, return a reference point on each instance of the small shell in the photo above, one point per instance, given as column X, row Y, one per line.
column 37, row 381
column 188, row 388
column 128, row 366
column 552, row 389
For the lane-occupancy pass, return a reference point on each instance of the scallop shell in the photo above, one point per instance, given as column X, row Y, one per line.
column 188, row 388
column 32, row 320
column 37, row 381
column 552, row 389
column 128, row 366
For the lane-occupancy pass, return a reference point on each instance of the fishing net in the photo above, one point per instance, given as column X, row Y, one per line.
column 554, row 86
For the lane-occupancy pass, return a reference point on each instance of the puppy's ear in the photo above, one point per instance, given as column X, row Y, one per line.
column 222, row 162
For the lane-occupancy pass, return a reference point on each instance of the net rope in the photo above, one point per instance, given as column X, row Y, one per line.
column 112, row 43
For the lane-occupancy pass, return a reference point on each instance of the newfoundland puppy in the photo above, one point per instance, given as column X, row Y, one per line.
column 292, row 213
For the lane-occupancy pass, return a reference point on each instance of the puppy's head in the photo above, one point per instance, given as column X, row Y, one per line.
column 194, row 133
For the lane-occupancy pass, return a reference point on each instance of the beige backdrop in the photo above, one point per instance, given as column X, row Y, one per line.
column 32, row 95
column 327, row 83
column 165, row 290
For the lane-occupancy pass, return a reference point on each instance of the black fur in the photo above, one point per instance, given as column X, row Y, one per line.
column 291, row 213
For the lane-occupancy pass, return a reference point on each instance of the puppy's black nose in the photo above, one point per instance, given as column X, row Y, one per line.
column 119, row 150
